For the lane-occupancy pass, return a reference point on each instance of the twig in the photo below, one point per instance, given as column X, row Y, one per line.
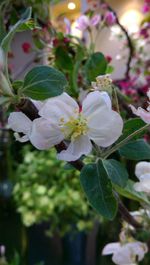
column 130, row 45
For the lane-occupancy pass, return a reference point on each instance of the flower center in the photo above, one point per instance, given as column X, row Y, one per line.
column 75, row 127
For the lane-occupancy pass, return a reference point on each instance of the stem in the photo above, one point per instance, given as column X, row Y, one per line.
column 116, row 100
column 120, row 144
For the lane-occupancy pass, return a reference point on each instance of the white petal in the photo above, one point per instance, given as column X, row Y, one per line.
column 80, row 146
column 95, row 100
column 59, row 107
column 123, row 256
column 19, row 122
column 38, row 104
column 105, row 127
column 138, row 249
column 145, row 177
column 45, row 135
column 142, row 113
column 143, row 185
column 142, row 168
column 21, row 139
column 111, row 248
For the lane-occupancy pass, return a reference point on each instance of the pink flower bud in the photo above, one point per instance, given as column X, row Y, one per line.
column 146, row 8
column 110, row 18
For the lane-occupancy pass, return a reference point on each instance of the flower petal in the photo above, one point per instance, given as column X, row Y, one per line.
column 95, row 101
column 142, row 113
column 60, row 107
column 138, row 249
column 123, row 256
column 142, row 168
column 144, row 184
column 105, row 127
column 111, row 248
column 21, row 139
column 19, row 122
column 45, row 135
column 80, row 146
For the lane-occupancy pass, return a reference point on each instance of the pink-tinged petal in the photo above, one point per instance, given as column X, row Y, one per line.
column 143, row 114
column 95, row 20
column 105, row 127
column 83, row 23
column 19, row 122
column 142, row 168
column 111, row 248
column 80, row 146
column 95, row 101
column 58, row 108
column 45, row 135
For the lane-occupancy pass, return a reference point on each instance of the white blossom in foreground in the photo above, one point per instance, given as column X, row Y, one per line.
column 142, row 171
column 61, row 119
column 142, row 113
column 126, row 254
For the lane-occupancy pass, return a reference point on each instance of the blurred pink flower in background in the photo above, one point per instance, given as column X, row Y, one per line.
column 110, row 18
column 146, row 6
column 84, row 22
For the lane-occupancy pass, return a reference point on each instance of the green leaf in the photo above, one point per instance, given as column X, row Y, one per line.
column 96, row 65
column 8, row 38
column 63, row 59
column 116, row 172
column 130, row 193
column 43, row 82
column 98, row 189
column 131, row 126
column 136, row 150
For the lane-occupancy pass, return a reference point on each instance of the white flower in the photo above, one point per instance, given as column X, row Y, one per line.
column 142, row 113
column 61, row 119
column 142, row 171
column 126, row 254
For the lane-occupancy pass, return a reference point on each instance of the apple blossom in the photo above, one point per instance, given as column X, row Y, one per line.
column 61, row 119
column 126, row 254
column 142, row 113
column 142, row 171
